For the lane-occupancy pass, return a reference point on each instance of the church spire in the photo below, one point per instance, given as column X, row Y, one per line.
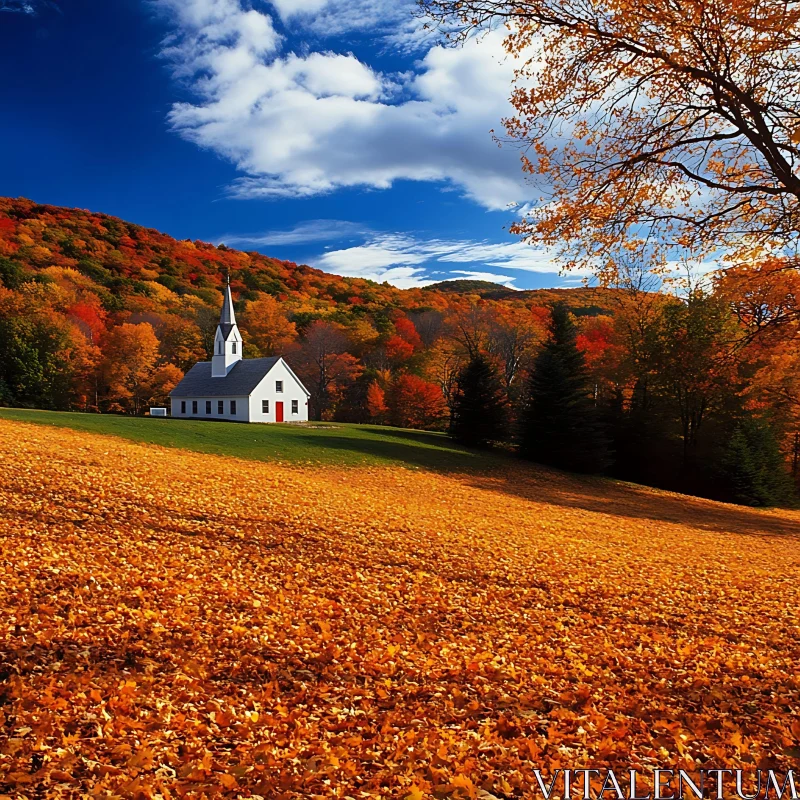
column 227, row 316
column 228, row 341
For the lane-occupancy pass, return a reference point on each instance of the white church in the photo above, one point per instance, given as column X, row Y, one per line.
column 238, row 389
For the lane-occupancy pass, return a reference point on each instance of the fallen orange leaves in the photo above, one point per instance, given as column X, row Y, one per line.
column 180, row 625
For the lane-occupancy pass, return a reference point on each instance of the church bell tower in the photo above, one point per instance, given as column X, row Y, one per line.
column 228, row 341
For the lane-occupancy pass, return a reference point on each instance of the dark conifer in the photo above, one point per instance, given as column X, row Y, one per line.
column 754, row 471
column 480, row 409
column 559, row 424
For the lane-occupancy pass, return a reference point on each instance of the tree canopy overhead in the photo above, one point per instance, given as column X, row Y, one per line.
column 655, row 125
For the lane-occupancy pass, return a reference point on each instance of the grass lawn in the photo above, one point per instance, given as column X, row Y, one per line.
column 319, row 442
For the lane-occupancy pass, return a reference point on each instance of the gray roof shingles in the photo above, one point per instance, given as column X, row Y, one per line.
column 243, row 378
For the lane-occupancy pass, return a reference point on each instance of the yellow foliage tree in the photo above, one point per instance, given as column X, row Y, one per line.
column 268, row 329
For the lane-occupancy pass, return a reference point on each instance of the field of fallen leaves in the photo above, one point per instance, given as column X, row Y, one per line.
column 182, row 625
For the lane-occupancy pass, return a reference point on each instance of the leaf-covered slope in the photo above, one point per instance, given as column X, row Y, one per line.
column 125, row 261
column 183, row 625
column 132, row 268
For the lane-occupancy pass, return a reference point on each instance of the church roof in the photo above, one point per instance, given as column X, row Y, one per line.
column 242, row 379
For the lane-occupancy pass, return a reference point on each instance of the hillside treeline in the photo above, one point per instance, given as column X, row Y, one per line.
column 100, row 315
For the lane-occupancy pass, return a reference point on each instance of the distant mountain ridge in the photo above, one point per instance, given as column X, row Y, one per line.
column 582, row 300
column 126, row 265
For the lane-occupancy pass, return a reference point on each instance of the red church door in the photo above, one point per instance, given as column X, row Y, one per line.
column 278, row 412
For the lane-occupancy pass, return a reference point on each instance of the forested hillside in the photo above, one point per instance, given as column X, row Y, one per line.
column 101, row 314
column 695, row 390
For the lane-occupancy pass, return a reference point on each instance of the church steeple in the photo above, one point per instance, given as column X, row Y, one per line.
column 228, row 341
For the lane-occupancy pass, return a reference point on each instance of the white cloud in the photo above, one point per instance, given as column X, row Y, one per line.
column 511, row 255
column 381, row 258
column 504, row 280
column 299, row 126
column 316, row 230
column 17, row 6
column 422, row 259
column 392, row 21
column 293, row 8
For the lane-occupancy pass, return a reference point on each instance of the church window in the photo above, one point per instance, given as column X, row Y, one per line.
column 295, row 407
column 234, row 348
column 194, row 406
column 208, row 406
column 220, row 348
column 183, row 406
column 278, row 386
column 233, row 407
column 265, row 406
column 220, row 406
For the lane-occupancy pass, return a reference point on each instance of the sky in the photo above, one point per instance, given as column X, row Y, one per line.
column 335, row 133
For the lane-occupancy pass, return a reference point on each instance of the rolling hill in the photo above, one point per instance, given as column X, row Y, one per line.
column 581, row 300
column 131, row 269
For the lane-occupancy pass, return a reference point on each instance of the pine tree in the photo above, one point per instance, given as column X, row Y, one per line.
column 480, row 409
column 753, row 469
column 559, row 424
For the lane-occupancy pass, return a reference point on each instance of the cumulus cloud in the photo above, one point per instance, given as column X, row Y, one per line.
column 422, row 260
column 305, row 125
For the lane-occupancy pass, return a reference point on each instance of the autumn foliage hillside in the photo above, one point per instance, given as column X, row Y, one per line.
column 696, row 390
column 177, row 625
column 104, row 314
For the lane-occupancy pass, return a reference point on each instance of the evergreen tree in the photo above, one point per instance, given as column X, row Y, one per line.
column 480, row 409
column 753, row 469
column 559, row 424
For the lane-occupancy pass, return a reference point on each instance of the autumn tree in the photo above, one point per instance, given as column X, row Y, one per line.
column 267, row 328
column 90, row 317
column 696, row 362
column 404, row 343
column 181, row 343
column 325, row 366
column 429, row 324
column 398, row 350
column 469, row 328
column 157, row 387
column 445, row 362
column 656, row 125
column 131, row 352
column 207, row 318
column 511, row 335
column 764, row 295
column 774, row 385
column 405, row 329
column 376, row 403
column 480, row 408
column 43, row 356
column 559, row 423
column 415, row 403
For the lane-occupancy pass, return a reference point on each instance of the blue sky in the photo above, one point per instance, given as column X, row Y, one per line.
column 330, row 132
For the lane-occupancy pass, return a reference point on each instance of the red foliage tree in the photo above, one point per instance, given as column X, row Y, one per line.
column 398, row 350
column 416, row 403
